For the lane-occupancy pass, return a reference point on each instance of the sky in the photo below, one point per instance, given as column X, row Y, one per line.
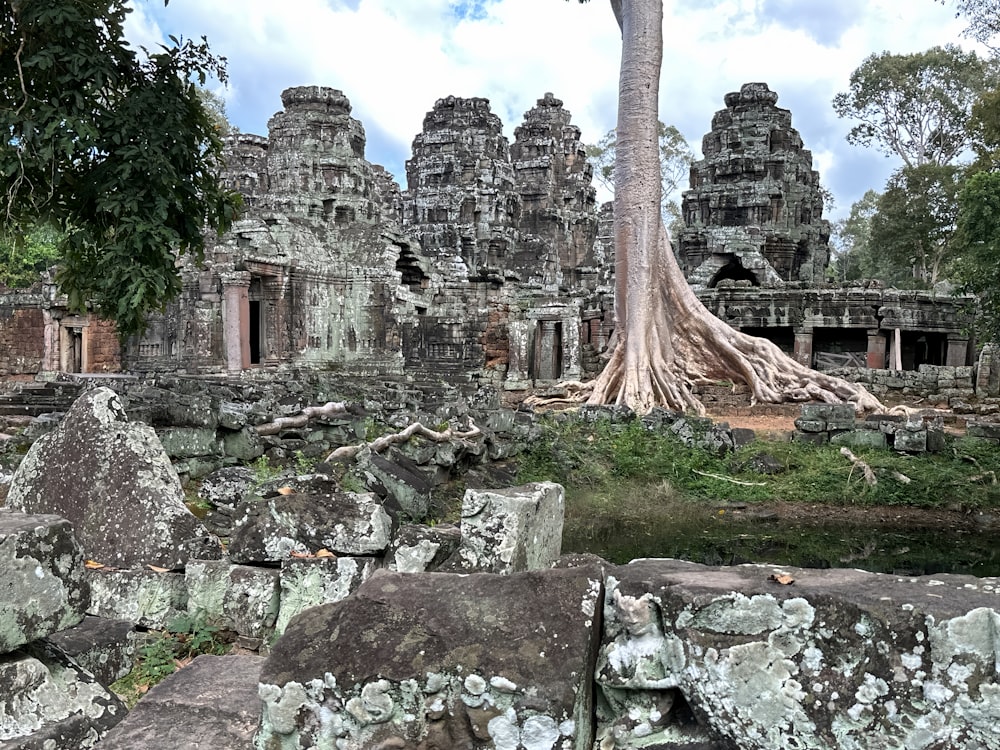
column 394, row 58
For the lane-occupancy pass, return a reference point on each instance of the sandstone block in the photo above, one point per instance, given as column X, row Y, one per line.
column 145, row 597
column 506, row 531
column 41, row 578
column 105, row 648
column 233, row 597
column 309, row 582
column 446, row 661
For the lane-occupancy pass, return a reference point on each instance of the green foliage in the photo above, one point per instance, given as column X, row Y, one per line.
column 916, row 106
column 164, row 652
column 26, row 255
column 977, row 244
column 264, row 470
column 113, row 148
column 303, row 463
column 983, row 17
column 603, row 458
column 853, row 254
column 915, row 222
column 676, row 157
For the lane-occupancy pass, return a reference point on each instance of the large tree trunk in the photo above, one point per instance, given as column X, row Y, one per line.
column 665, row 340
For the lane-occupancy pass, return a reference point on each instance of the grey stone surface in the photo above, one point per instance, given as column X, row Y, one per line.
column 446, row 661
column 310, row 581
column 211, row 704
column 820, row 659
column 145, row 597
column 42, row 584
column 111, row 478
column 313, row 515
column 105, row 648
column 240, row 598
column 47, row 702
column 511, row 530
column 417, row 548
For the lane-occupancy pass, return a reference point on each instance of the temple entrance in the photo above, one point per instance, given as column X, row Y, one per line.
column 546, row 359
column 255, row 319
column 733, row 270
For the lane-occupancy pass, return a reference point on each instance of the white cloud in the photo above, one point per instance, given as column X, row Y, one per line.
column 395, row 58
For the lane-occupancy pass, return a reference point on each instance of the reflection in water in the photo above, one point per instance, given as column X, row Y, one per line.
column 729, row 541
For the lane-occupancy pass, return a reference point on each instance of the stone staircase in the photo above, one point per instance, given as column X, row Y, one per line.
column 21, row 402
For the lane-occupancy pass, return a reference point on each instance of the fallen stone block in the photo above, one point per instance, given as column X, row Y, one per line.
column 240, row 598
column 760, row 657
column 417, row 548
column 105, row 648
column 42, row 578
column 211, row 703
column 47, row 702
column 505, row 531
column 439, row 660
column 145, row 597
column 313, row 515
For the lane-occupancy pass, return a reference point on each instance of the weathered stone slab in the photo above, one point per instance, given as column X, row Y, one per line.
column 310, row 581
column 505, row 531
column 240, row 598
column 188, row 442
column 49, row 703
column 42, row 585
column 417, row 548
column 314, row 515
column 820, row 659
column 106, row 648
column 211, row 703
column 145, row 597
column 438, row 660
column 113, row 481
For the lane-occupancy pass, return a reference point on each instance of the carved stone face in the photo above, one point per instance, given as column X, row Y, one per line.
column 636, row 613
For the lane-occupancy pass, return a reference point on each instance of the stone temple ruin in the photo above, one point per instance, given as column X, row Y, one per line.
column 494, row 266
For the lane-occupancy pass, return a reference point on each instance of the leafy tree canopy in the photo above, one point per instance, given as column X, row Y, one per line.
column 983, row 17
column 977, row 243
column 854, row 257
column 113, row 147
column 676, row 157
column 914, row 224
column 23, row 262
column 916, row 106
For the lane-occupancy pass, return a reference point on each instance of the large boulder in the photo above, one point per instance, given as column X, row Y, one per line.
column 42, row 586
column 436, row 660
column 757, row 657
column 112, row 480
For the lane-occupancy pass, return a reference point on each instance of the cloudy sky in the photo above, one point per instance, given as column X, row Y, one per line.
column 394, row 58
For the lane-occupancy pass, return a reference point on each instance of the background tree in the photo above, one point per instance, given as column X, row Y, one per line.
column 983, row 17
column 853, row 255
column 676, row 158
column 22, row 263
column 913, row 226
column 977, row 247
column 112, row 147
column 665, row 341
column 916, row 106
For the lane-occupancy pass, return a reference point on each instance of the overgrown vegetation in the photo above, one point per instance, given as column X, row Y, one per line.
column 631, row 492
column 164, row 652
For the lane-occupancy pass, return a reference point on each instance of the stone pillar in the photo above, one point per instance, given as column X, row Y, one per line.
column 547, row 368
column 803, row 353
column 519, row 336
column 236, row 320
column 572, row 366
column 876, row 350
column 958, row 352
column 988, row 371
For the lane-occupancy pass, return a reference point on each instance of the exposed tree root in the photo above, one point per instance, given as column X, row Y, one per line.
column 379, row 444
column 685, row 345
column 329, row 409
column 859, row 464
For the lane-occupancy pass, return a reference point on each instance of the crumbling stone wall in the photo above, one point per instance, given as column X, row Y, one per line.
column 22, row 336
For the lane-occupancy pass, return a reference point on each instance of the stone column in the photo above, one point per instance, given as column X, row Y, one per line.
column 803, row 353
column 546, row 369
column 572, row 367
column 876, row 350
column 236, row 320
column 958, row 352
column 519, row 336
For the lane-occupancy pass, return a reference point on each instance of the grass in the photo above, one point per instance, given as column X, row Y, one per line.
column 608, row 459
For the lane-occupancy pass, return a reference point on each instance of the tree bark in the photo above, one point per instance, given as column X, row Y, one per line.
column 665, row 340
